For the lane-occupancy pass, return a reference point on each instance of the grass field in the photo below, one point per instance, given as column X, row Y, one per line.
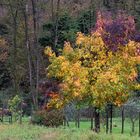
column 116, row 129
column 33, row 132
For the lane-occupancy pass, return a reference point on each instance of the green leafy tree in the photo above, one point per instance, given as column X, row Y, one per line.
column 15, row 106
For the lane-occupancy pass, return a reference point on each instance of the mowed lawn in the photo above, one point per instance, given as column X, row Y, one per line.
column 27, row 131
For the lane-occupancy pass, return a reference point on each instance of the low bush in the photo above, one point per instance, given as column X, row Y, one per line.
column 51, row 118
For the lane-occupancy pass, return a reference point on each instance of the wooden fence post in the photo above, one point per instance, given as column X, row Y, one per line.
column 107, row 123
column 111, row 112
column 2, row 117
column 91, row 112
column 139, row 124
column 78, row 119
column 122, row 116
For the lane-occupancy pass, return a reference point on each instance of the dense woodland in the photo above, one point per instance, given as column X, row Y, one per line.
column 41, row 66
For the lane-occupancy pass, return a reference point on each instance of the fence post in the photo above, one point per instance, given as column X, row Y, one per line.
column 111, row 111
column 107, row 123
column 139, row 124
column 122, row 116
column 64, row 121
column 78, row 119
column 11, row 118
column 91, row 112
column 2, row 117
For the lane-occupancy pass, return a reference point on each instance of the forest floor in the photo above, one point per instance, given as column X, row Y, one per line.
column 27, row 131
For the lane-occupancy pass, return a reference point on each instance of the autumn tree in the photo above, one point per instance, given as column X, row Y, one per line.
column 92, row 73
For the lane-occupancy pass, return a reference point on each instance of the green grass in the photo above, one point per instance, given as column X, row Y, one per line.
column 27, row 131
column 31, row 132
column 83, row 134
column 116, row 123
column 20, row 132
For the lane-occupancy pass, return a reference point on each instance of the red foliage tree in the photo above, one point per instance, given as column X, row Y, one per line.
column 116, row 30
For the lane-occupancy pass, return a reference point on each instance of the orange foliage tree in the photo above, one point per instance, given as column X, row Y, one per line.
column 91, row 69
column 94, row 74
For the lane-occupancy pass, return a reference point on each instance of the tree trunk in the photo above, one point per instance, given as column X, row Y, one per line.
column 56, row 25
column 14, row 14
column 28, row 51
column 97, row 120
column 52, row 10
column 36, row 48
column 90, row 15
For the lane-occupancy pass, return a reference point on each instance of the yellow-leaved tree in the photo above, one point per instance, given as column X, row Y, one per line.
column 92, row 73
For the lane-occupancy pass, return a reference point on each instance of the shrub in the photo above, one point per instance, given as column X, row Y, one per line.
column 51, row 118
